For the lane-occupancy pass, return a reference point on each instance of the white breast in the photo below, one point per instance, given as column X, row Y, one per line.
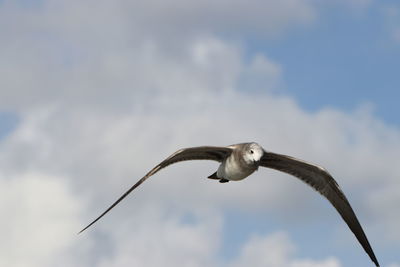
column 230, row 169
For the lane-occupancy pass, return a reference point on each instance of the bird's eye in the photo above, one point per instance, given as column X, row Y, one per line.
column 251, row 151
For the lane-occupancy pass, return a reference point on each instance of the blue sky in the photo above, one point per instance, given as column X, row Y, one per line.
column 345, row 60
column 95, row 93
column 8, row 121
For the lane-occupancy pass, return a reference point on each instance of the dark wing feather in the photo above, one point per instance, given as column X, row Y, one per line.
column 321, row 181
column 193, row 153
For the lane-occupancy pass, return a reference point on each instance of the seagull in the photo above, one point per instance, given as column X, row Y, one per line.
column 241, row 160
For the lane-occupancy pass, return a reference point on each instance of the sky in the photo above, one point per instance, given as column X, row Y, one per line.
column 93, row 94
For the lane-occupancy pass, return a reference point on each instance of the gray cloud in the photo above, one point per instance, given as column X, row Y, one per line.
column 70, row 53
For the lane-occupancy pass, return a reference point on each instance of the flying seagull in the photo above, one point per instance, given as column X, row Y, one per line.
column 240, row 160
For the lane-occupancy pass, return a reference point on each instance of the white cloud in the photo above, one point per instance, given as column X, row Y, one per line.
column 260, row 75
column 128, row 47
column 166, row 240
column 381, row 202
column 104, row 99
column 103, row 155
column 276, row 250
column 39, row 218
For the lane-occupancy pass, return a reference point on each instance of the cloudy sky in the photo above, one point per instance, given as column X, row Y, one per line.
column 94, row 93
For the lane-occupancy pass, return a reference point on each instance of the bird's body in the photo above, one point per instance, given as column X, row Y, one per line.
column 231, row 170
column 239, row 165
column 239, row 161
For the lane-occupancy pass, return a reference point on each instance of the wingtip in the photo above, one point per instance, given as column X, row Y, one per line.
column 85, row 228
column 374, row 259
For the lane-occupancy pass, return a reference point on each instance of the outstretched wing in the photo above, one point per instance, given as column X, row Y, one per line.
column 318, row 178
column 193, row 153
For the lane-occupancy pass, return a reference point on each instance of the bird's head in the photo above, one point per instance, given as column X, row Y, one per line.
column 253, row 153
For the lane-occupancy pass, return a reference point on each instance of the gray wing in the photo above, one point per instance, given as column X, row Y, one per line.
column 321, row 181
column 193, row 153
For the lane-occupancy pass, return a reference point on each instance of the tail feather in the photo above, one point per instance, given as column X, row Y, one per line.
column 214, row 176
